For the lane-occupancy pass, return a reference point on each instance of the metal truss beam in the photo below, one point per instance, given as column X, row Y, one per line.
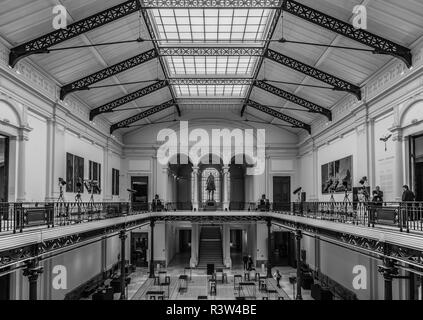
column 381, row 45
column 269, row 36
column 109, row 107
column 337, row 83
column 156, row 109
column 210, row 51
column 151, row 33
column 41, row 44
column 294, row 99
column 295, row 123
column 213, row 4
column 209, row 81
column 84, row 83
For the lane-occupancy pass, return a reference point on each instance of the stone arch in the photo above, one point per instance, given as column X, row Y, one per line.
column 407, row 113
column 11, row 112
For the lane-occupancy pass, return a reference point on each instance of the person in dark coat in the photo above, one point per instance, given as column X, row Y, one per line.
column 250, row 263
column 407, row 195
column 245, row 260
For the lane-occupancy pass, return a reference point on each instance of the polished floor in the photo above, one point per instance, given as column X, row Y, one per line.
column 198, row 285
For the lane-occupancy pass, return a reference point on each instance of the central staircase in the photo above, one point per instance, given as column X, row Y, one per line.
column 210, row 248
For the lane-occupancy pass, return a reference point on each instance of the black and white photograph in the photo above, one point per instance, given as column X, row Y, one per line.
column 211, row 157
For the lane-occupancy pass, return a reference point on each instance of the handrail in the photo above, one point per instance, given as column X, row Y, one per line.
column 17, row 216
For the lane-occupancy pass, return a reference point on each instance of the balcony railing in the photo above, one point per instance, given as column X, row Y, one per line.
column 15, row 217
column 404, row 216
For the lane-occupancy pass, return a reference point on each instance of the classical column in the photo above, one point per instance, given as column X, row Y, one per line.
column 194, row 177
column 227, row 246
column 398, row 168
column 194, row 245
column 23, row 138
column 269, row 248
column 389, row 272
column 152, row 248
column 226, row 184
column 315, row 178
column 50, row 181
column 32, row 271
column 122, row 237
column 298, row 237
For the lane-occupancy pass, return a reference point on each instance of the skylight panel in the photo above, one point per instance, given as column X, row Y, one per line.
column 210, row 27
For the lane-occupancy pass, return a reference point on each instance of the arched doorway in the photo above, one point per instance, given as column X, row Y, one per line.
column 183, row 185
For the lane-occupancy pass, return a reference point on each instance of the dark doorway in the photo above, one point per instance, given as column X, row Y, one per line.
column 419, row 181
column 280, row 248
column 139, row 246
column 282, row 193
column 237, row 187
column 236, row 248
column 416, row 166
column 292, row 259
column 4, row 168
column 184, row 241
column 140, row 197
column 5, row 288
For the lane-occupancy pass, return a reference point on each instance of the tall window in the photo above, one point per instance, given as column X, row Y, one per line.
column 115, row 182
column 95, row 175
column 74, row 172
column 204, row 176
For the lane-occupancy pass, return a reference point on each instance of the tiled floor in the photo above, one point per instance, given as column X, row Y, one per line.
column 198, row 286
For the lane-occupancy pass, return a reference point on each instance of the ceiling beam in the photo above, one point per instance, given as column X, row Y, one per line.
column 337, row 83
column 269, row 37
column 211, row 51
column 109, row 107
column 207, row 4
column 209, row 81
column 84, row 83
column 296, row 123
column 381, row 45
column 156, row 109
column 151, row 33
column 41, row 44
column 294, row 99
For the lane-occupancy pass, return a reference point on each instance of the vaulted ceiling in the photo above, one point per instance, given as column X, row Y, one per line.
column 210, row 55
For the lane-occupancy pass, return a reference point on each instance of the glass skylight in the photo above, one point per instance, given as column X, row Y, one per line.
column 210, row 25
column 205, row 28
column 211, row 90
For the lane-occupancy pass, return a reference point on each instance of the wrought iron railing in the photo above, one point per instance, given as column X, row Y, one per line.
column 405, row 216
column 15, row 217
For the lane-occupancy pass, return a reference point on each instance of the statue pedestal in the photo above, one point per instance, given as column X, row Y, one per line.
column 210, row 206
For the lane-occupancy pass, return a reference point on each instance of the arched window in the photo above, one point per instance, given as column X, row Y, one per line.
column 204, row 176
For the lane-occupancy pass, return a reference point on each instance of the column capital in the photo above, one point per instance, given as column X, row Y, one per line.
column 33, row 270
column 195, row 169
column 123, row 235
column 298, row 234
column 388, row 270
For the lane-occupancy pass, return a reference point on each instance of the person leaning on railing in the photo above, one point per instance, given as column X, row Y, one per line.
column 408, row 197
column 377, row 201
